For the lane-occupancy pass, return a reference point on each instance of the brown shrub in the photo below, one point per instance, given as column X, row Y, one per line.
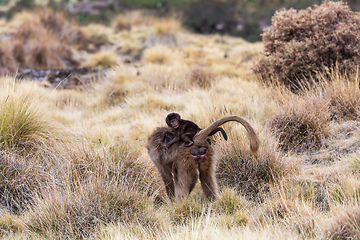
column 42, row 40
column 77, row 214
column 343, row 93
column 7, row 62
column 249, row 174
column 301, row 124
column 21, row 181
column 301, row 42
column 298, row 217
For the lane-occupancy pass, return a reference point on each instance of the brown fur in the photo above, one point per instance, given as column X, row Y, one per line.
column 185, row 130
column 180, row 170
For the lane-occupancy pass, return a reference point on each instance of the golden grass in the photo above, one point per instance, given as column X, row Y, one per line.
column 127, row 20
column 98, row 32
column 160, row 55
column 166, row 25
column 87, row 173
column 102, row 59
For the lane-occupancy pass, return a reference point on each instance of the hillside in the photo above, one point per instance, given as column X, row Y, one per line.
column 73, row 157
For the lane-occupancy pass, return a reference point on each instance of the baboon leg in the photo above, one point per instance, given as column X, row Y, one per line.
column 185, row 173
column 208, row 184
column 167, row 177
column 193, row 182
column 187, row 140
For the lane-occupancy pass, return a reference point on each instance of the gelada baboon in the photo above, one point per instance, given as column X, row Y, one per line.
column 185, row 130
column 180, row 166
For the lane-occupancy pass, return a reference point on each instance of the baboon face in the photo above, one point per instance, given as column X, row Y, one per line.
column 173, row 120
column 174, row 123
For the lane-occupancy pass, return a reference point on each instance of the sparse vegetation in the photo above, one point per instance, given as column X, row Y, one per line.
column 74, row 163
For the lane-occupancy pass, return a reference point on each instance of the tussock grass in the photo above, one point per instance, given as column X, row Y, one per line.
column 202, row 77
column 166, row 25
column 77, row 214
column 164, row 77
column 299, row 217
column 102, row 59
column 302, row 124
column 129, row 19
column 43, row 40
column 247, row 173
column 98, row 32
column 345, row 225
column 7, row 62
column 10, row 224
column 343, row 93
column 92, row 177
column 21, row 181
column 159, row 55
column 24, row 124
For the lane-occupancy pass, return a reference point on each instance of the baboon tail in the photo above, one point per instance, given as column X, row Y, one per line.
column 219, row 130
column 201, row 136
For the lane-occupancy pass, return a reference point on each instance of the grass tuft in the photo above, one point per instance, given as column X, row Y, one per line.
column 346, row 225
column 249, row 174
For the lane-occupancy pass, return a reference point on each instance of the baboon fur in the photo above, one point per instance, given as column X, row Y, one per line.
column 177, row 166
column 178, row 169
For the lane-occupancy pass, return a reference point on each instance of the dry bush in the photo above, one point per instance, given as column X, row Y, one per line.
column 7, row 62
column 301, row 42
column 292, row 214
column 22, row 180
column 342, row 90
column 54, row 22
column 249, row 174
column 44, row 38
column 79, row 213
column 346, row 225
column 301, row 124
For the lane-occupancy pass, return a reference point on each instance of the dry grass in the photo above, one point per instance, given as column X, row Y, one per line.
column 42, row 40
column 102, row 59
column 166, row 25
column 160, row 55
column 74, row 163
